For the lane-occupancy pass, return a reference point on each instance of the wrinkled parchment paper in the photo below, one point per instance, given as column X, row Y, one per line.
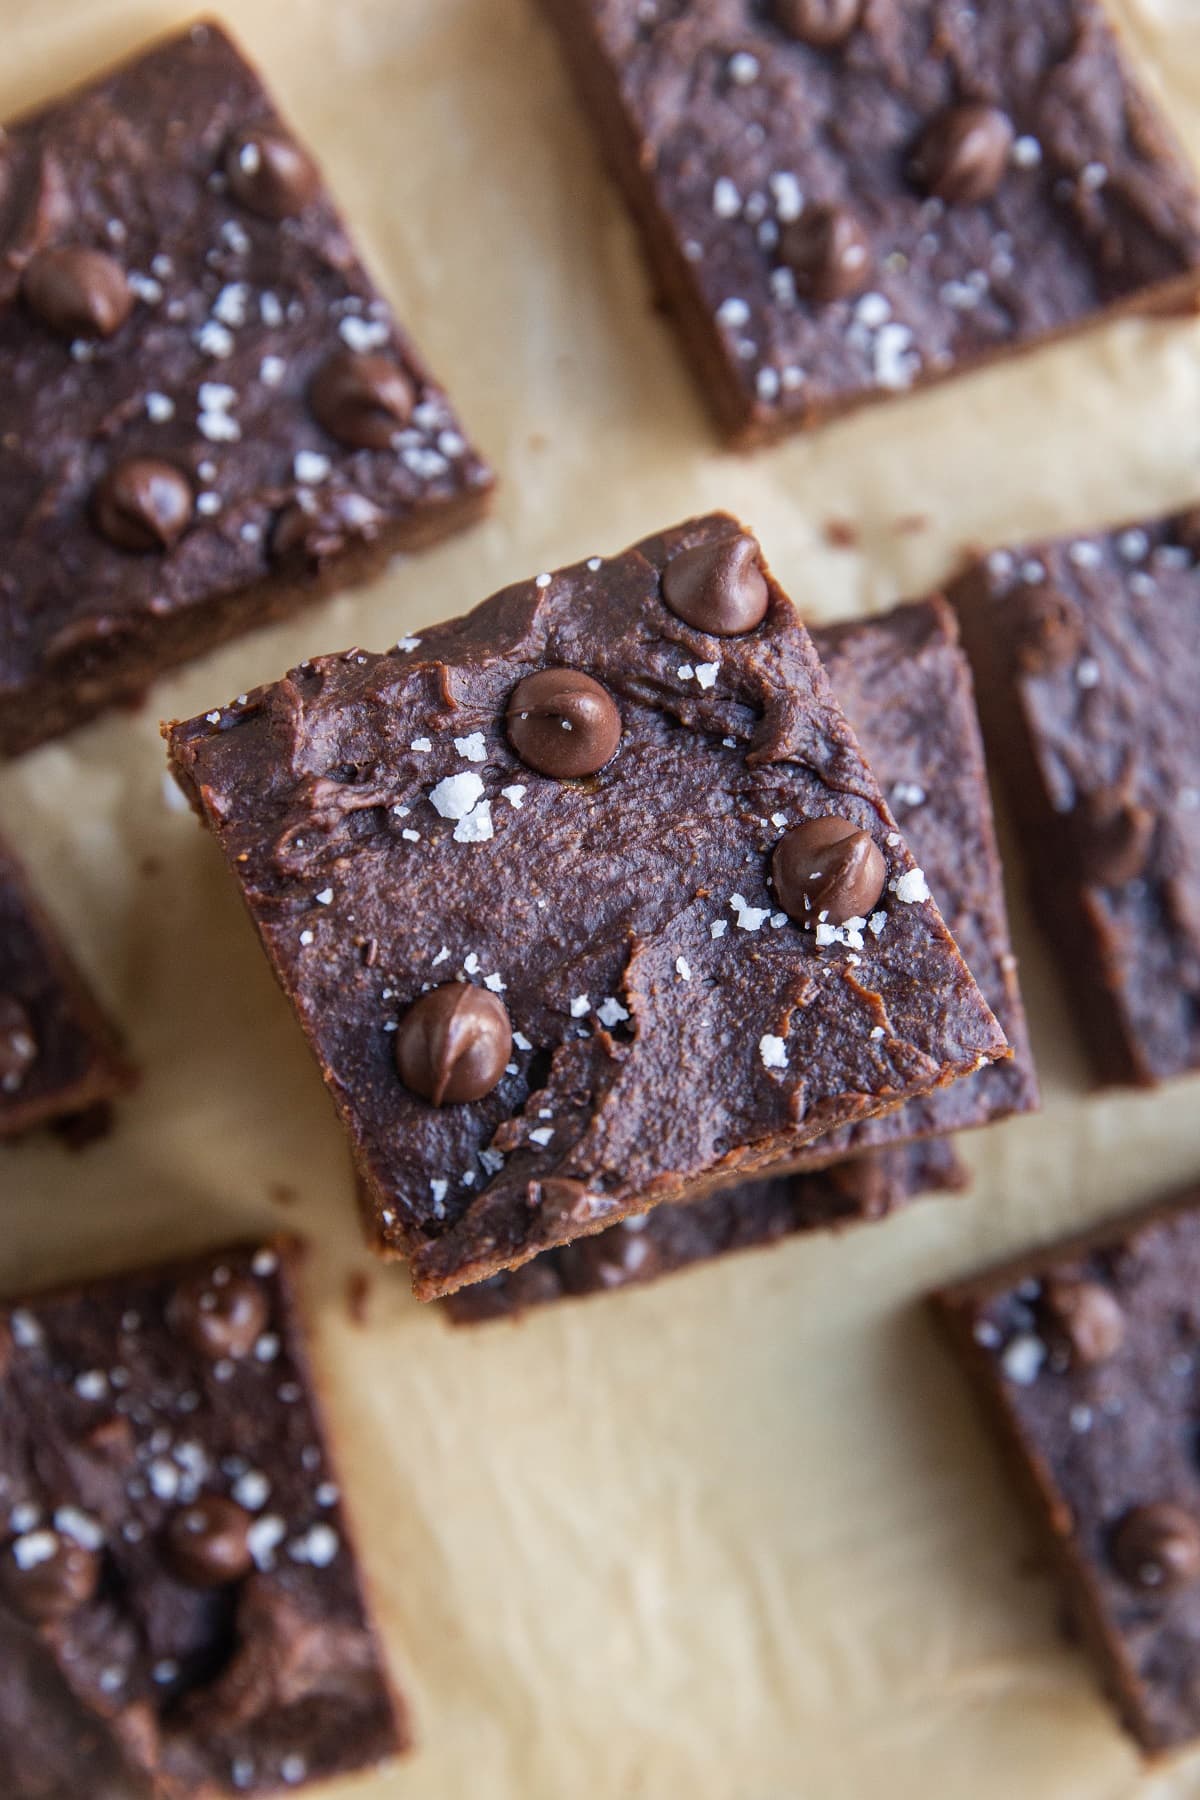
column 738, row 1537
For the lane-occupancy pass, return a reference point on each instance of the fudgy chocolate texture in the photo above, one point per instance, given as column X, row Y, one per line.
column 758, row 166
column 251, row 1665
column 1087, row 657
column 233, row 314
column 60, row 1060
column 670, row 1027
column 1087, row 1358
column 650, row 1245
column 906, row 687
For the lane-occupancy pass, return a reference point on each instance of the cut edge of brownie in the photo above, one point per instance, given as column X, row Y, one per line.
column 953, row 1309
column 743, row 421
column 751, row 1216
column 81, row 1113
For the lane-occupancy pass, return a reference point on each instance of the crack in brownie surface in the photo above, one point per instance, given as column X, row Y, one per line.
column 179, row 1599
column 208, row 412
column 840, row 214
column 670, row 1025
column 1088, row 657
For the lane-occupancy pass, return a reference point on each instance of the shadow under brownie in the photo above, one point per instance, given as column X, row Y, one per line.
column 670, row 1024
column 209, row 414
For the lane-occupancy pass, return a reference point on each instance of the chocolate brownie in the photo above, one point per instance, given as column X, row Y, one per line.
column 514, row 878
column 1087, row 1358
column 647, row 1246
column 905, row 684
column 208, row 413
column 61, row 1061
column 180, row 1611
column 1087, row 653
column 840, row 199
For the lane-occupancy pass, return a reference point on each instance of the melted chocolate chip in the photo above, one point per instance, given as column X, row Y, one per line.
column 822, row 23
column 18, row 1045
column 1052, row 632
column 963, row 155
column 208, row 1543
column 46, row 1576
column 453, row 1043
column 362, row 401
column 827, row 252
column 143, row 504
column 269, row 173
column 1086, row 1317
column 1114, row 836
column 1157, row 1547
column 220, row 1320
column 77, row 293
column 312, row 529
column 717, row 587
column 827, row 866
column 563, row 724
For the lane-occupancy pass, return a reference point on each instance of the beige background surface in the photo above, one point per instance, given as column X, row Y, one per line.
column 737, row 1537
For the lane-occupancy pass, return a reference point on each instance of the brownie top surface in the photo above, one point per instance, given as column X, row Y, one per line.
column 745, row 126
column 125, row 1405
column 1101, row 639
column 52, row 1046
column 232, row 313
column 1095, row 1351
column 671, row 1024
column 906, row 687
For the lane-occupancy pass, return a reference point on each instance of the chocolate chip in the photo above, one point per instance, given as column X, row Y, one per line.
column 827, row 866
column 208, row 1543
column 1158, row 1546
column 269, row 173
column 562, row 723
column 362, row 401
column 18, row 1045
column 963, row 155
column 453, row 1043
column 1086, row 1317
column 77, row 293
column 717, row 587
column 219, row 1319
column 1051, row 630
column 821, row 23
column 46, row 1576
column 143, row 504
column 312, row 529
column 1113, row 834
column 827, row 252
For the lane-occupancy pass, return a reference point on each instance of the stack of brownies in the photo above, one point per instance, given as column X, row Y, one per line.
column 629, row 923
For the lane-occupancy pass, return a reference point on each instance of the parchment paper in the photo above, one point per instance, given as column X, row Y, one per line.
column 738, row 1537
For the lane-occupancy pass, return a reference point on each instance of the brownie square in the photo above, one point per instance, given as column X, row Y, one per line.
column 906, row 687
column 209, row 414
column 61, row 1062
column 179, row 1601
column 841, row 199
column 647, row 1246
column 905, row 684
column 665, row 1021
column 1087, row 653
column 1087, row 1359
